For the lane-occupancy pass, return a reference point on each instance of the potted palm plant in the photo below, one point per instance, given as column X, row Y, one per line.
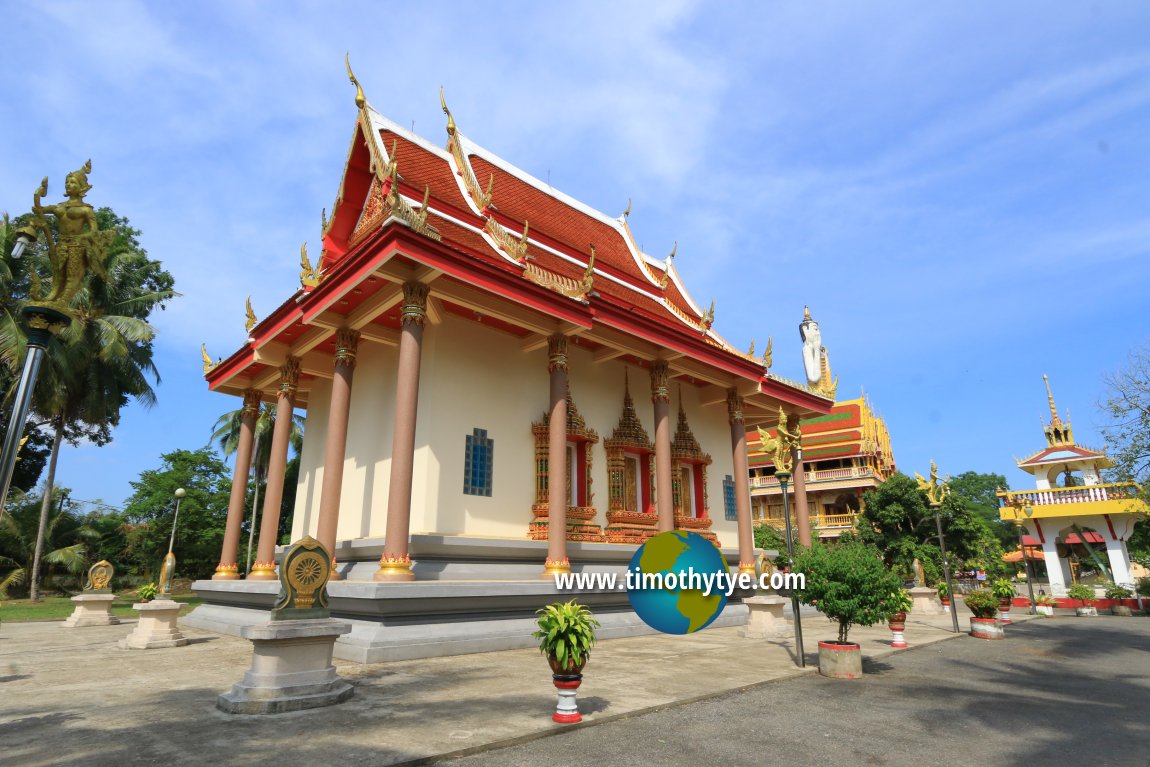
column 566, row 635
column 1116, row 592
column 849, row 584
column 1044, row 605
column 1003, row 589
column 984, row 604
column 944, row 595
column 1084, row 594
column 899, row 602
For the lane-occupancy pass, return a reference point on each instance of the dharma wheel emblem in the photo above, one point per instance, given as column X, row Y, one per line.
column 304, row 573
column 100, row 576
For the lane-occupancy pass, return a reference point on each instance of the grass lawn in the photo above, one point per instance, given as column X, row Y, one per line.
column 59, row 608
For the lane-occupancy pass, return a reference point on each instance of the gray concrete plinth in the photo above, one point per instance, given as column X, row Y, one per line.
column 92, row 610
column 291, row 668
column 157, row 626
column 765, row 618
column 925, row 601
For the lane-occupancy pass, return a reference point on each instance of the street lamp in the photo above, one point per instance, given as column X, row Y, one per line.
column 783, row 477
column 168, row 569
column 936, row 493
column 1029, row 511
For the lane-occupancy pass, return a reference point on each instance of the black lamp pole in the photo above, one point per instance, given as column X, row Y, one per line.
column 783, row 477
column 946, row 566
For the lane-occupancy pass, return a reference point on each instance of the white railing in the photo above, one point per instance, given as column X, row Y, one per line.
column 823, row 475
column 1083, row 494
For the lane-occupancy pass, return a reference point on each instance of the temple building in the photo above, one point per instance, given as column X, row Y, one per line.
column 843, row 453
column 499, row 385
column 1079, row 520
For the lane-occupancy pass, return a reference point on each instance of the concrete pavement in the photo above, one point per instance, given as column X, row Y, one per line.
column 71, row 696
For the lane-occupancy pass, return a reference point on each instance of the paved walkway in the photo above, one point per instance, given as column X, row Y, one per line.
column 71, row 696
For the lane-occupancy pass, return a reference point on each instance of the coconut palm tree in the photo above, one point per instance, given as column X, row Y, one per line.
column 67, row 538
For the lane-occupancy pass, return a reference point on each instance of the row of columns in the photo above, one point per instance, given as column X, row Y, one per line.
column 395, row 563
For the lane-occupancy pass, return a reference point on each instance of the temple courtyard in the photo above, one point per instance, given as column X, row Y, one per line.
column 1064, row 689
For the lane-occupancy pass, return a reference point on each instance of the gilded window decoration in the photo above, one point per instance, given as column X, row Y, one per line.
column 689, row 481
column 631, row 514
column 478, row 463
column 580, row 516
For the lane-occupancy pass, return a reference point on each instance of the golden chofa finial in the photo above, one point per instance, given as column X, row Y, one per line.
column 667, row 266
column 751, row 351
column 360, row 101
column 309, row 277
column 250, row 322
column 628, row 211
column 208, row 364
column 768, row 357
column 446, row 111
column 709, row 316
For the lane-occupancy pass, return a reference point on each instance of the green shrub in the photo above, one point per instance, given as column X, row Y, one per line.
column 898, row 602
column 1114, row 591
column 943, row 591
column 566, row 630
column 848, row 582
column 1143, row 584
column 1081, row 592
column 983, row 603
column 1002, row 588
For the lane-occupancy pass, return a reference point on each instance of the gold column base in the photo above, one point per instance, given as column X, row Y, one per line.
column 748, row 568
column 226, row 572
column 394, row 569
column 553, row 567
column 263, row 571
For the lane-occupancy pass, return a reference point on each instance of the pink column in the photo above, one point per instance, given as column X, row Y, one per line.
column 802, row 514
column 395, row 564
column 661, row 397
column 346, row 341
column 228, row 569
column 265, row 567
column 742, row 482
column 557, row 561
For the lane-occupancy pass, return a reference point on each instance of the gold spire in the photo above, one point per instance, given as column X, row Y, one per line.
column 360, row 101
column 806, row 314
column 1054, row 419
column 446, row 111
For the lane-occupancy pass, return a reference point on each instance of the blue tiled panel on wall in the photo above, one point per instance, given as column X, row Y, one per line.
column 729, row 498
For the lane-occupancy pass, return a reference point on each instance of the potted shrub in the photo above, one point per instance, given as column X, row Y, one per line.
column 1044, row 605
column 1114, row 591
column 984, row 604
column 944, row 594
column 1003, row 589
column 146, row 593
column 899, row 602
column 566, row 635
column 1085, row 595
column 849, row 584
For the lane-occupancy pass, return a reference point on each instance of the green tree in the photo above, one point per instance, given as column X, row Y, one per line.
column 767, row 537
column 897, row 520
column 150, row 509
column 980, row 494
column 848, row 582
column 68, row 541
column 1127, row 408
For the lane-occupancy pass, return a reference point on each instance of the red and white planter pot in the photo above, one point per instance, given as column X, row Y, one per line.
column 840, row 660
column 1004, row 610
column 986, row 628
column 897, row 625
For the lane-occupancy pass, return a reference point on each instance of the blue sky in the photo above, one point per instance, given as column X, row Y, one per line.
column 958, row 191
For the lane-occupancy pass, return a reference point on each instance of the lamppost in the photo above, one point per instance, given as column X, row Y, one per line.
column 783, row 477
column 168, row 569
column 783, row 448
column 77, row 246
column 936, row 493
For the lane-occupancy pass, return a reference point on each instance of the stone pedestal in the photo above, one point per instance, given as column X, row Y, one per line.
column 926, row 601
column 291, row 668
column 157, row 626
column 92, row 610
column 765, row 620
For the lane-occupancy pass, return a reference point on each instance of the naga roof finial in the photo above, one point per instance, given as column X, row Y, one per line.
column 360, row 101
column 446, row 111
column 250, row 321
